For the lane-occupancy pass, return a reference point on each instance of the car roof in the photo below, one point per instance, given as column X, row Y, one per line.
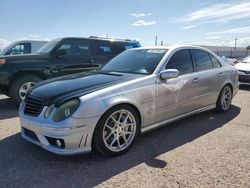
column 172, row 47
column 99, row 38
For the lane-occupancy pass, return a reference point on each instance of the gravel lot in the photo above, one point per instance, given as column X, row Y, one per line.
column 206, row 150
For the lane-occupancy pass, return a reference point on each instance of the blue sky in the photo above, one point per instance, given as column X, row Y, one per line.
column 207, row 22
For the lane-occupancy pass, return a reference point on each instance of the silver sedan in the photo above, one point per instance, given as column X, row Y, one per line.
column 137, row 91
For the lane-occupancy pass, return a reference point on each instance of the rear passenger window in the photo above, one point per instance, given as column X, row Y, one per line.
column 103, row 48
column 202, row 59
column 216, row 63
column 182, row 61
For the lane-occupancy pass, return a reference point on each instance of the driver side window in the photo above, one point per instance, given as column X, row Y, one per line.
column 182, row 61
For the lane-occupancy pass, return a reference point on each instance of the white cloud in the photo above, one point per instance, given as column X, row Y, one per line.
column 139, row 23
column 138, row 15
column 4, row 43
column 219, row 13
column 188, row 27
column 239, row 30
column 213, row 37
column 33, row 36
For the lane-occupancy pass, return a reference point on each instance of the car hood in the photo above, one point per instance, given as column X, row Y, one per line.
column 58, row 90
column 243, row 66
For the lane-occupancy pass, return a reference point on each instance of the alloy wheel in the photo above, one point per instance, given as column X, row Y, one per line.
column 119, row 130
column 226, row 98
column 25, row 88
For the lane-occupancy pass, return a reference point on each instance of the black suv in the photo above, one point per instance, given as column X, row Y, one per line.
column 57, row 58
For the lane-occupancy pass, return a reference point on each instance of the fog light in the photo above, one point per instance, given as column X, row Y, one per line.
column 58, row 143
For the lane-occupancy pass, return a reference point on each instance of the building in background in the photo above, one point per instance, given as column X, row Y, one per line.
column 228, row 52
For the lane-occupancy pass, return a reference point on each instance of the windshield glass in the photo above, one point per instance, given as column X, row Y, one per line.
column 48, row 47
column 142, row 61
column 246, row 59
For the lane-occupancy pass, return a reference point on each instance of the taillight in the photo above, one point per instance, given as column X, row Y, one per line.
column 2, row 61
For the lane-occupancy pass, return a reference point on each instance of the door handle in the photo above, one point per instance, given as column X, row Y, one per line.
column 195, row 80
column 221, row 74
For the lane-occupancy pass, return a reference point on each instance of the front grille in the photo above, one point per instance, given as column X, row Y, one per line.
column 243, row 78
column 30, row 134
column 33, row 106
column 246, row 72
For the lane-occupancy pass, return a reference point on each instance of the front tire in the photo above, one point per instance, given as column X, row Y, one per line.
column 116, row 131
column 224, row 100
column 21, row 86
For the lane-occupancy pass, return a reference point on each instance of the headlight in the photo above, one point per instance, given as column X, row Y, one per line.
column 64, row 111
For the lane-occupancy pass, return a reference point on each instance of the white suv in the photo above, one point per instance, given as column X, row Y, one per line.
column 23, row 47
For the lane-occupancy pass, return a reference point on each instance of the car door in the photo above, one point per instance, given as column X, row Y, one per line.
column 177, row 95
column 78, row 57
column 104, row 51
column 207, row 78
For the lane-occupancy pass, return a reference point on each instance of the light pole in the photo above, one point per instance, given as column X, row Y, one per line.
column 235, row 44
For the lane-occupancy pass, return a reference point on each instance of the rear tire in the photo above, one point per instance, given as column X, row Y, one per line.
column 224, row 100
column 20, row 87
column 116, row 131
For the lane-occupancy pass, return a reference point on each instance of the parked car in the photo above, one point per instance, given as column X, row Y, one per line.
column 244, row 71
column 23, row 47
column 59, row 57
column 139, row 90
column 230, row 61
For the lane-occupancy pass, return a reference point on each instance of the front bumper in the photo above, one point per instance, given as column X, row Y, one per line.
column 58, row 139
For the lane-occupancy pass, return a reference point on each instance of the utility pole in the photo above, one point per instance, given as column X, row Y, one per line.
column 162, row 43
column 235, row 44
column 156, row 40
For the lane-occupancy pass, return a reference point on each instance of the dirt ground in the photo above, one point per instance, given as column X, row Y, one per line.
column 205, row 150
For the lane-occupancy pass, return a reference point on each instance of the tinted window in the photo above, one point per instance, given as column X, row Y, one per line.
column 128, row 45
column 103, row 48
column 76, row 48
column 143, row 61
column 202, row 59
column 23, row 48
column 182, row 61
column 216, row 63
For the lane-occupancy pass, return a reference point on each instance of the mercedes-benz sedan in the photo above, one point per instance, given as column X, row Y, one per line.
column 139, row 90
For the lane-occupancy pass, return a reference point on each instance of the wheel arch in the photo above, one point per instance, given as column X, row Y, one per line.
column 228, row 84
column 17, row 75
column 128, row 103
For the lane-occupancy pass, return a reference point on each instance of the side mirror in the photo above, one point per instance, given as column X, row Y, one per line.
column 169, row 73
column 61, row 52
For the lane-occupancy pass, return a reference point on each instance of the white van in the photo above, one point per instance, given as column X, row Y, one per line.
column 23, row 47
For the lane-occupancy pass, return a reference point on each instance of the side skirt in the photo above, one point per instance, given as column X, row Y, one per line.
column 160, row 124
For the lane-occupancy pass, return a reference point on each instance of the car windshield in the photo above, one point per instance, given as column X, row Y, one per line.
column 246, row 59
column 48, row 47
column 140, row 61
